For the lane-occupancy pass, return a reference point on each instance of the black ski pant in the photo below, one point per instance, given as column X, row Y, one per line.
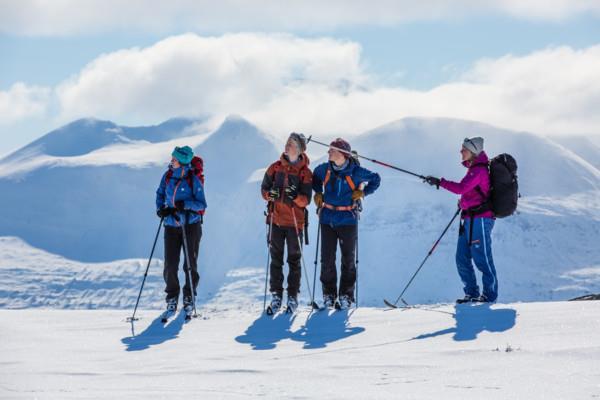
column 280, row 236
column 346, row 235
column 173, row 250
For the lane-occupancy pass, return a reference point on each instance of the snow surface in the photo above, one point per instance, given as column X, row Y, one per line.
column 505, row 351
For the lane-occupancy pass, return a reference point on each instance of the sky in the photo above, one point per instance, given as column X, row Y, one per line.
column 335, row 67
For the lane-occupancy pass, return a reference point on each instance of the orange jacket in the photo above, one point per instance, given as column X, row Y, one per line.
column 282, row 174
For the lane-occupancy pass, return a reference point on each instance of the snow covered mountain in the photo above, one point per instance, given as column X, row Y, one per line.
column 89, row 134
column 98, row 206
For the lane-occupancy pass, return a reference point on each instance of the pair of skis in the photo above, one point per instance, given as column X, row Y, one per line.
column 287, row 310
column 168, row 314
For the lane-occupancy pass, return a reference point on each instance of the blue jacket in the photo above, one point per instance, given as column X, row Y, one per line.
column 166, row 195
column 338, row 191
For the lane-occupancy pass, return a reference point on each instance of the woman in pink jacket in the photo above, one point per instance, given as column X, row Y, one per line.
column 477, row 222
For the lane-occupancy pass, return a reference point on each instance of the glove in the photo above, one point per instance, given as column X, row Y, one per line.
column 357, row 194
column 291, row 192
column 318, row 200
column 274, row 194
column 164, row 212
column 433, row 181
column 180, row 205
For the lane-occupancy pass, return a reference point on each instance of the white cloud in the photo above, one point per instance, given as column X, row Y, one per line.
column 67, row 17
column 284, row 83
column 21, row 101
column 189, row 74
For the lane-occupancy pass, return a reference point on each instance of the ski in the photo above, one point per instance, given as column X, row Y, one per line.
column 289, row 310
column 389, row 304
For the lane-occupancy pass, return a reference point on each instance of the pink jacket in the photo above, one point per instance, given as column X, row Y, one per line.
column 477, row 176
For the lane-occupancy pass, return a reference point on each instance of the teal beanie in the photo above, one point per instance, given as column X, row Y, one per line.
column 183, row 154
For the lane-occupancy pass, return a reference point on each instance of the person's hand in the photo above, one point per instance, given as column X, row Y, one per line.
column 357, row 194
column 164, row 212
column 318, row 198
column 291, row 192
column 433, row 181
column 180, row 205
column 274, row 194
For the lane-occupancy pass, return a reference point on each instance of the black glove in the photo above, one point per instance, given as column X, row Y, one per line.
column 164, row 212
column 274, row 194
column 180, row 205
column 433, row 181
column 291, row 192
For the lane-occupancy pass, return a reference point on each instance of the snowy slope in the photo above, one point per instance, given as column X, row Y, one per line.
column 506, row 351
column 99, row 207
column 587, row 148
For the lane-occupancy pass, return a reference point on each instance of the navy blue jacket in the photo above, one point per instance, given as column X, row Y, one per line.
column 338, row 191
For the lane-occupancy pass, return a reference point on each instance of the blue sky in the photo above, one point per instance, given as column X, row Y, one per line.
column 390, row 60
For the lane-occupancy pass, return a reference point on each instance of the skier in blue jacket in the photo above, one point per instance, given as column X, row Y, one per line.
column 339, row 185
column 179, row 198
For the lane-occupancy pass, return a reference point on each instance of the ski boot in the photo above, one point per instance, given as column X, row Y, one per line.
column 170, row 311
column 275, row 304
column 482, row 299
column 345, row 302
column 188, row 307
column 329, row 301
column 467, row 299
column 292, row 305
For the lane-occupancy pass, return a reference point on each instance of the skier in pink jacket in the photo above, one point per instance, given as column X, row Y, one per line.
column 477, row 222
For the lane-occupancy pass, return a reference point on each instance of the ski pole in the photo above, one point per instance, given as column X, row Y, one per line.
column 268, row 214
column 133, row 318
column 353, row 154
column 356, row 263
column 302, row 254
column 314, row 305
column 395, row 304
column 188, row 262
column 358, row 205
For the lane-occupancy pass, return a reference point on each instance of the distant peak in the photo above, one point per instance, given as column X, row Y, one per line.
column 235, row 119
column 88, row 122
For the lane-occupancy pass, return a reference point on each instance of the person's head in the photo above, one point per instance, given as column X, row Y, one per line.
column 181, row 156
column 336, row 156
column 295, row 145
column 471, row 148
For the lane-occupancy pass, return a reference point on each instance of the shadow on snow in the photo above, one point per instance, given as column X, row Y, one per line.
column 156, row 333
column 471, row 320
column 320, row 329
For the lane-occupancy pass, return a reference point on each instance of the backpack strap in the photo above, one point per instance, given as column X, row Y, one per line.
column 327, row 177
column 348, row 179
column 350, row 182
column 190, row 179
column 168, row 176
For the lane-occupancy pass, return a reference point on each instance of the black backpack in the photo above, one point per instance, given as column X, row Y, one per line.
column 504, row 185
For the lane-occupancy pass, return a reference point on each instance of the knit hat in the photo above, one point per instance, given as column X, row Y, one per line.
column 341, row 144
column 300, row 141
column 474, row 145
column 183, row 154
